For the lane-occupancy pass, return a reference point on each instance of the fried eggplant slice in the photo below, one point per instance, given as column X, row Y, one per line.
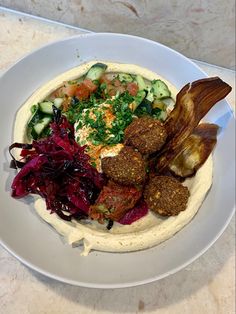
column 192, row 104
column 195, row 150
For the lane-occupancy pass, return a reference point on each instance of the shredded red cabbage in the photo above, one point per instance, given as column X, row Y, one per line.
column 58, row 169
column 137, row 212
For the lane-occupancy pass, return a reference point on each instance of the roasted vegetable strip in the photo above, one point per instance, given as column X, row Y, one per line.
column 194, row 150
column 192, row 103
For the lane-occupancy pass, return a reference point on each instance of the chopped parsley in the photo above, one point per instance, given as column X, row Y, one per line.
column 123, row 117
column 103, row 117
column 93, row 113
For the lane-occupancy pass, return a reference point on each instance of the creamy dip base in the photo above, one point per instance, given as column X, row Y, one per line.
column 144, row 233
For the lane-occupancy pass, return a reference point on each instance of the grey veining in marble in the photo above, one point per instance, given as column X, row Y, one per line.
column 203, row 30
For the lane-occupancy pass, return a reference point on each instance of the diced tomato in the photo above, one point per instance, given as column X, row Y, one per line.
column 116, row 83
column 111, row 90
column 91, row 86
column 132, row 88
column 82, row 92
column 105, row 79
column 121, row 89
column 66, row 89
column 69, row 89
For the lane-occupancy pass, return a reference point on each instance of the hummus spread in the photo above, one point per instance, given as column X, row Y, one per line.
column 143, row 233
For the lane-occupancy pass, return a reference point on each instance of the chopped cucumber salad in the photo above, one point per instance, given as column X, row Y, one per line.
column 101, row 105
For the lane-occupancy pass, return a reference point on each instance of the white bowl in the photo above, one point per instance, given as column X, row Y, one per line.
column 34, row 243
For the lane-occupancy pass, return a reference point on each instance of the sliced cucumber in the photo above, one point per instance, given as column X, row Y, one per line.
column 150, row 95
column 40, row 126
column 35, row 118
column 170, row 103
column 58, row 102
column 124, row 77
column 160, row 89
column 38, row 122
column 140, row 96
column 140, row 81
column 46, row 106
column 138, row 100
column 163, row 116
column 96, row 71
column 33, row 109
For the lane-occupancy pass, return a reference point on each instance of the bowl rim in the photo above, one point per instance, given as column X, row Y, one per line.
column 126, row 284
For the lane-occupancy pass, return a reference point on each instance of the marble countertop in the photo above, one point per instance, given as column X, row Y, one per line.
column 205, row 286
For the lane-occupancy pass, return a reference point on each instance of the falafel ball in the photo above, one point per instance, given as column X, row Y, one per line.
column 166, row 196
column 146, row 134
column 128, row 167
